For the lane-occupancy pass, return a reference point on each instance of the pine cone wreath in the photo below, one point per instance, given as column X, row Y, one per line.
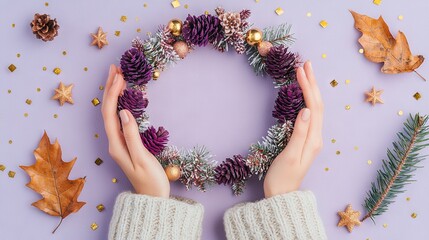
column 232, row 170
column 135, row 68
column 44, row 27
column 202, row 30
column 134, row 101
column 288, row 103
column 155, row 141
column 280, row 64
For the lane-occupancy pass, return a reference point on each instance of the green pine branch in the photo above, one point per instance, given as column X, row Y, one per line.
column 398, row 170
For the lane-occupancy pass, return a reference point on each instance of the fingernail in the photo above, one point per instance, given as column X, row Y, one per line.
column 111, row 68
column 305, row 114
column 310, row 66
column 124, row 117
column 115, row 80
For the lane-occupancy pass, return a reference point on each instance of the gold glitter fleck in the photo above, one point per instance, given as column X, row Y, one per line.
column 9, row 91
column 333, row 83
column 369, row 162
column 64, row 53
column 400, row 17
column 326, row 169
column 400, row 112
column 98, row 161
column 18, row 55
column 38, row 89
column 279, row 11
column 186, row 6
column 323, row 23
column 417, row 95
column 46, row 4
column 28, row 101
column 95, row 101
column 94, row 226
column 44, row 68
column 356, row 148
column 13, row 25
column 309, row 14
column 138, row 30
column 324, row 55
column 123, row 18
column 100, row 207
column 2, row 167
column 333, row 140
column 347, row 81
column 413, row 215
column 385, row 225
column 101, row 87
column 11, row 174
column 12, row 68
column 117, row 33
column 114, row 180
column 10, row 141
column 175, row 4
column 85, row 69
column 408, row 199
column 25, row 114
column 338, row 152
column 377, row 2
column 96, row 135
column 55, row 115
column 347, row 107
column 361, row 50
column 57, row 70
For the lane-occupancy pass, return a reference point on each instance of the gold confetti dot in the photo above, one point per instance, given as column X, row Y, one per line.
column 117, row 33
column 138, row 30
column 2, row 167
column 347, row 107
column 356, row 148
column 18, row 55
column 123, row 18
column 12, row 68
column 100, row 207
column 11, row 174
column 408, row 199
column 347, row 81
column 175, row 4
column 326, row 169
column 46, row 4
column 57, row 70
column 95, row 101
column 323, row 23
column 114, row 180
column 13, row 25
column 279, row 11
column 385, row 225
column 64, row 53
column 417, row 95
column 413, row 215
column 25, row 114
column 101, row 87
column 85, row 69
column 186, row 6
column 309, row 14
column 28, row 101
column 9, row 91
column 333, row 83
column 96, row 135
column 400, row 17
column 361, row 50
column 10, row 141
column 333, row 140
column 369, row 162
column 55, row 115
column 44, row 68
column 94, row 226
column 38, row 89
column 377, row 2
column 256, row 1
column 324, row 55
column 206, row 12
column 145, row 5
column 400, row 112
column 338, row 152
column 98, row 161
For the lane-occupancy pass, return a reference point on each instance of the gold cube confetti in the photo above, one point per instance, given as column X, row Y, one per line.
column 117, row 33
column 123, row 18
column 348, row 107
column 338, row 152
column 400, row 17
column 347, row 81
column 98, row 161
column 175, row 3
column 417, row 95
column 361, row 50
column 114, row 180
column 324, row 55
column 100, row 207
column 333, row 83
column 333, row 140
column 323, row 23
column 369, row 162
column 12, row 68
column 95, row 102
column 2, row 167
column 413, row 215
column 57, row 70
column 309, row 14
column 28, row 101
column 400, row 112
column 11, row 174
column 377, row 2
column 279, row 11
column 94, row 226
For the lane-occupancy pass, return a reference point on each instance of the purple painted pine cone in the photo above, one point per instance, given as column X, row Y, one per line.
column 288, row 103
column 155, row 141
column 280, row 64
column 232, row 170
column 135, row 68
column 134, row 101
column 202, row 30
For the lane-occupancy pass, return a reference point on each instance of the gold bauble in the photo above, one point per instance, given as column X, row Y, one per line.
column 264, row 47
column 155, row 74
column 181, row 48
column 175, row 27
column 254, row 36
column 173, row 172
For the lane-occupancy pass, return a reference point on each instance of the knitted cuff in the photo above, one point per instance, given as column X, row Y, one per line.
column 288, row 216
column 144, row 217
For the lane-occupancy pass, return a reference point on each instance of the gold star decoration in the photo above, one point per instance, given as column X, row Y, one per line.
column 99, row 39
column 63, row 94
column 349, row 218
column 374, row 96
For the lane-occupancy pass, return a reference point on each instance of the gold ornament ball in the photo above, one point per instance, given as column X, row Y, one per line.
column 155, row 74
column 254, row 36
column 264, row 47
column 175, row 27
column 181, row 49
column 173, row 172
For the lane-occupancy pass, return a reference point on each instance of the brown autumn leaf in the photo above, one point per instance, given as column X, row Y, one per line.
column 380, row 46
column 49, row 178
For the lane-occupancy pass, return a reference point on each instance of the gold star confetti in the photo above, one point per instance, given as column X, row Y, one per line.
column 2, row 167
column 100, row 207
column 44, row 68
column 95, row 101
column 55, row 115
column 400, row 17
column 99, row 39
column 369, row 162
column 324, row 55
column 123, row 18
column 333, row 83
column 12, row 68
column 28, row 101
column 175, row 4
column 117, row 33
column 374, row 96
column 57, row 70
column 417, row 95
column 333, row 140
column 338, row 152
column 98, row 161
column 11, row 174
column 347, row 81
column 361, row 50
column 309, row 14
column 323, row 23
column 349, row 218
column 348, row 107
column 63, row 94
column 94, row 226
column 385, row 225
column 114, row 180
column 400, row 112
column 377, row 2
column 413, row 215
column 279, row 11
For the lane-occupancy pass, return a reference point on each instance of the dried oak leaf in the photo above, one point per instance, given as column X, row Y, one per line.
column 380, row 46
column 49, row 178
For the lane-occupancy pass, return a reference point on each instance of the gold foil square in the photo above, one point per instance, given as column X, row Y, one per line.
column 95, row 101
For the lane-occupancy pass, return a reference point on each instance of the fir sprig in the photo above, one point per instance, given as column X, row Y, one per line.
column 398, row 170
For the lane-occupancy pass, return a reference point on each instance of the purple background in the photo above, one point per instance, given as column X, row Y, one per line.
column 209, row 99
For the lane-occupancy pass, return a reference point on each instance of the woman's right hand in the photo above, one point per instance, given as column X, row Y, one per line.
column 142, row 169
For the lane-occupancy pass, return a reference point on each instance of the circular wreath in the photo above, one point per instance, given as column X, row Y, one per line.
column 267, row 53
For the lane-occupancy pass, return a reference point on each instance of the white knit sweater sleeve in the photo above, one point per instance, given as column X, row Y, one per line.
column 288, row 216
column 138, row 217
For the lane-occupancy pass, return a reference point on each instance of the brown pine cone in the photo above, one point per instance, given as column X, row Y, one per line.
column 44, row 27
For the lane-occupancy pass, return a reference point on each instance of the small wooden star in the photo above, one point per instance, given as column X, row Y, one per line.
column 63, row 94
column 349, row 218
column 374, row 96
column 99, row 38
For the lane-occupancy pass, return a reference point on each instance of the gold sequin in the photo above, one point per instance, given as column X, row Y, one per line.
column 347, row 81
column 338, row 152
column 114, row 180
column 145, row 5
column 186, row 6
column 309, row 14
column 12, row 68
column 369, row 162
column 417, row 95
column 400, row 17
column 101, row 87
column 326, row 169
column 333, row 83
column 413, row 215
column 94, row 226
column 10, row 141
column 279, row 11
column 377, row 2
column 98, row 161
column 356, row 148
column 361, row 50
column 206, row 12
column 28, row 101
column 85, row 69
column 95, row 101
column 175, row 4
column 13, row 25
column 385, row 225
column 44, row 68
column 408, row 199
column 25, row 114
column 57, row 70
column 38, row 89
column 55, row 115
column 9, row 91
column 333, row 140
column 100, row 207
column 96, row 135
column 400, row 112
column 117, row 33
column 2, row 167
column 323, row 23
column 124, row 18
column 348, row 107
column 18, row 55
column 46, row 4
column 11, row 174
column 138, row 30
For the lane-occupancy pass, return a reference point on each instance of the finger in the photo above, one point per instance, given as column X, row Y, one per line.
column 139, row 154
column 307, row 91
column 308, row 69
column 110, row 77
